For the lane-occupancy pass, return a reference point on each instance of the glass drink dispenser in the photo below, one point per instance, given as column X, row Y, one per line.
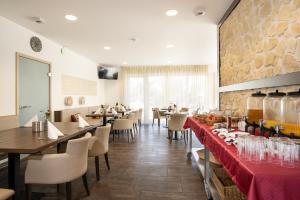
column 290, row 114
column 255, row 107
column 272, row 109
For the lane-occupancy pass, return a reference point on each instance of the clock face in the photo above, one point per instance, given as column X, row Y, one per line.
column 36, row 44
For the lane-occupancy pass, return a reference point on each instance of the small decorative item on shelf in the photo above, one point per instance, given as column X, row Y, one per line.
column 68, row 101
column 81, row 100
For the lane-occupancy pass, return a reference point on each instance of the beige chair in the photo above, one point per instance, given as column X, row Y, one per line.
column 176, row 123
column 140, row 117
column 134, row 116
column 157, row 114
column 59, row 168
column 183, row 109
column 6, row 193
column 125, row 125
column 98, row 145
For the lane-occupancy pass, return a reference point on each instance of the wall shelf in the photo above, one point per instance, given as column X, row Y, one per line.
column 275, row 81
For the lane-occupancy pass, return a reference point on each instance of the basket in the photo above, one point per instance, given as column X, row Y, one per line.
column 214, row 163
column 225, row 186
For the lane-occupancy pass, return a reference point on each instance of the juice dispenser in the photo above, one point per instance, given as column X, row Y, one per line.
column 290, row 114
column 255, row 107
column 272, row 109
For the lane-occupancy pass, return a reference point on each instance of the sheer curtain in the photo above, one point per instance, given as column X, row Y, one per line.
column 148, row 87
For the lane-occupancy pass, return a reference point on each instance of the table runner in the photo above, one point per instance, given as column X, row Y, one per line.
column 263, row 181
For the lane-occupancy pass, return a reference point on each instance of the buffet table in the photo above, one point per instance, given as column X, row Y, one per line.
column 257, row 180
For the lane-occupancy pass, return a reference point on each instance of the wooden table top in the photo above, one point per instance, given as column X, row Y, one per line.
column 101, row 115
column 22, row 140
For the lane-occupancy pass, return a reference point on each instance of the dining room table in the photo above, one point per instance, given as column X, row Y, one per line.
column 22, row 140
column 104, row 116
column 263, row 180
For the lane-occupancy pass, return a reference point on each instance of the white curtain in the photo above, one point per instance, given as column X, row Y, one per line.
column 186, row 86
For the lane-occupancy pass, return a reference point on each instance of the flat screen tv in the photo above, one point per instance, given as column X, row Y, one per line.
column 110, row 73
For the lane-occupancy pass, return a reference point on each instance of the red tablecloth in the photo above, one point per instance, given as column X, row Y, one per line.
column 263, row 181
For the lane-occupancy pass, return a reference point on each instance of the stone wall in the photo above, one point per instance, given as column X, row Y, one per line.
column 237, row 101
column 260, row 38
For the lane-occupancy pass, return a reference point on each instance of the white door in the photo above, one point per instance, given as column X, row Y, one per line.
column 33, row 89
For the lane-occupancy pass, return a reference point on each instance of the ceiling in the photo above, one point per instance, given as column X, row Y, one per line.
column 113, row 22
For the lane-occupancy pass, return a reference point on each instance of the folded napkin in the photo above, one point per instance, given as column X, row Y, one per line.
column 82, row 122
column 123, row 109
column 98, row 111
column 113, row 111
column 53, row 132
column 33, row 119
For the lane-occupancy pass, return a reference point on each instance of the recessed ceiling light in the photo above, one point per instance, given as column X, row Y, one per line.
column 169, row 46
column 71, row 17
column 125, row 63
column 107, row 48
column 171, row 13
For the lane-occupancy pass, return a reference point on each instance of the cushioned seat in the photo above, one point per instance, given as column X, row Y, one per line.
column 6, row 193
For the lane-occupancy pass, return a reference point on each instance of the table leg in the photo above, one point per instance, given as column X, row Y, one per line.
column 189, row 154
column 176, row 136
column 14, row 174
column 207, row 173
column 104, row 120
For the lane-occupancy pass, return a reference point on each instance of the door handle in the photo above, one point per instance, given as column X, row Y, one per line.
column 24, row 107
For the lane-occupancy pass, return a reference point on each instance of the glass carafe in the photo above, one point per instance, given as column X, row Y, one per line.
column 290, row 114
column 255, row 107
column 272, row 109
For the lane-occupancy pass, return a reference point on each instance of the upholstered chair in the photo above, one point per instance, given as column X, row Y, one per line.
column 176, row 123
column 140, row 117
column 98, row 146
column 59, row 168
column 157, row 114
column 183, row 109
column 125, row 125
column 6, row 193
column 134, row 116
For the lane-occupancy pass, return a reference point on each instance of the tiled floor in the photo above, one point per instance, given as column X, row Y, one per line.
column 148, row 169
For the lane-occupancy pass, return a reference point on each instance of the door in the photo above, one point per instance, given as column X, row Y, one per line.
column 34, row 93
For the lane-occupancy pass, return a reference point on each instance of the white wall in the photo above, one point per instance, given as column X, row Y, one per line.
column 15, row 38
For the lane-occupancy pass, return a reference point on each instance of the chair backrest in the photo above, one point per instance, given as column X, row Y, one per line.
column 102, row 134
column 183, row 109
column 78, row 150
column 122, row 124
column 156, row 114
column 177, row 121
column 140, row 113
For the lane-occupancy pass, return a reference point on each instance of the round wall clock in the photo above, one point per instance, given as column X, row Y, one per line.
column 36, row 44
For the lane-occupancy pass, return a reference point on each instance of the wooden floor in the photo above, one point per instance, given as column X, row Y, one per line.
column 148, row 169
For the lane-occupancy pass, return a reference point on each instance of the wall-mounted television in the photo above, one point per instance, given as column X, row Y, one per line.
column 110, row 73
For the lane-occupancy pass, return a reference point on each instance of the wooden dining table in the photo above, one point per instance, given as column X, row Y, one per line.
column 22, row 140
column 103, row 116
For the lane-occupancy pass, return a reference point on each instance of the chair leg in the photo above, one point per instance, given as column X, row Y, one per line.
column 85, row 183
column 158, row 122
column 57, row 188
column 113, row 136
column 170, row 136
column 28, row 191
column 153, row 122
column 131, row 133
column 127, row 131
column 184, row 136
column 106, row 160
column 97, row 168
column 68, row 191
